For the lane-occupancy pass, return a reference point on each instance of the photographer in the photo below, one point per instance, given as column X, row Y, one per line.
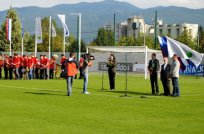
column 111, row 71
column 88, row 59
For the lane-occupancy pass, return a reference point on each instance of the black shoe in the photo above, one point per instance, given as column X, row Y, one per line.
column 69, row 94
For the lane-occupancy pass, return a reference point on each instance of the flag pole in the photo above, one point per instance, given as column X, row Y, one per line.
column 79, row 38
column 35, row 37
column 49, row 36
column 64, row 43
column 10, row 33
column 10, row 47
column 22, row 46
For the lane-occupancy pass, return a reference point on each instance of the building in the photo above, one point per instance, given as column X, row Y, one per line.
column 175, row 30
column 134, row 26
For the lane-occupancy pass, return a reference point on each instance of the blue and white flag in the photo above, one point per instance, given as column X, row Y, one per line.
column 62, row 19
column 38, row 30
column 170, row 47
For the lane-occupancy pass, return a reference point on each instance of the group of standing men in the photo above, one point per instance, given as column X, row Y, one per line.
column 168, row 72
column 26, row 67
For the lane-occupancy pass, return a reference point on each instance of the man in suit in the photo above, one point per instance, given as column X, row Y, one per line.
column 165, row 76
column 175, row 75
column 153, row 68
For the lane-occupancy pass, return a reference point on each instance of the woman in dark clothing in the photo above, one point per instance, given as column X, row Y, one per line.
column 111, row 71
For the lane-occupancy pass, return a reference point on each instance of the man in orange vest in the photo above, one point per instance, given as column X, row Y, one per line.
column 71, row 69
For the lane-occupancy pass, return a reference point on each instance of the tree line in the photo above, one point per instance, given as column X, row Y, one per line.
column 106, row 38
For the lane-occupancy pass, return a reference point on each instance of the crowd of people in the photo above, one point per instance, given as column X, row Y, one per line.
column 26, row 67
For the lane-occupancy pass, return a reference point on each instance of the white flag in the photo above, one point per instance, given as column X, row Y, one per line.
column 62, row 19
column 54, row 34
column 38, row 30
column 170, row 46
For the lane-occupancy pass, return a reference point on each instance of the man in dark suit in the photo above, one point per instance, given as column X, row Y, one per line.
column 165, row 76
column 153, row 68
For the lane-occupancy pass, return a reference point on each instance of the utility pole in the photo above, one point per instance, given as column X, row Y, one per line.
column 155, row 31
column 114, row 31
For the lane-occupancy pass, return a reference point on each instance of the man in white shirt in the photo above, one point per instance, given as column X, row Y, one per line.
column 175, row 76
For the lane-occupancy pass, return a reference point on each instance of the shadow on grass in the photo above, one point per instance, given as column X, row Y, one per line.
column 127, row 92
column 40, row 93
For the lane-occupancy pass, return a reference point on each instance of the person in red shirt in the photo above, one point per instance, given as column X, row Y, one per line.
column 21, row 66
column 37, row 67
column 25, row 67
column 35, row 62
column 1, row 66
column 10, row 67
column 16, row 65
column 62, row 64
column 41, row 67
column 45, row 66
column 6, row 68
column 30, row 67
column 51, row 66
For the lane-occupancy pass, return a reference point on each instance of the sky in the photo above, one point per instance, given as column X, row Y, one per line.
column 194, row 4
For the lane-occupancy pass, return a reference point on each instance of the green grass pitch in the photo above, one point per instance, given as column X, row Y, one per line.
column 42, row 107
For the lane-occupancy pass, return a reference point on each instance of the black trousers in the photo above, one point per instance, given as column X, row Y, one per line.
column 6, row 70
column 37, row 73
column 51, row 73
column 10, row 73
column 41, row 73
column 45, row 73
column 20, row 72
column 0, row 72
column 166, row 86
column 81, row 73
column 111, row 79
column 154, row 82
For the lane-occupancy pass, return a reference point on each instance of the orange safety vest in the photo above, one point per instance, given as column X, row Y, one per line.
column 71, row 69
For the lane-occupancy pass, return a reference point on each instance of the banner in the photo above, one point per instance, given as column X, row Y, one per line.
column 191, row 70
column 62, row 19
column 119, row 67
column 38, row 30
column 8, row 29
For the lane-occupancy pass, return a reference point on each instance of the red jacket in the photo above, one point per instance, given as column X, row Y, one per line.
column 52, row 64
column 1, row 63
column 16, row 61
column 30, row 63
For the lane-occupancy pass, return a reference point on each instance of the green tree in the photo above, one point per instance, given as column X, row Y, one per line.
column 73, row 45
column 16, row 32
column 28, row 42
column 201, row 39
column 186, row 38
column 57, row 42
column 104, row 37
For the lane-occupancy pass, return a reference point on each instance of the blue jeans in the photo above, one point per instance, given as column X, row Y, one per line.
column 85, row 81
column 176, row 89
column 17, row 73
column 69, row 81
column 30, row 74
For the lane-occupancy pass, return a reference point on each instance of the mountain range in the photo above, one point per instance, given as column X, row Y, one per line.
column 98, row 14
